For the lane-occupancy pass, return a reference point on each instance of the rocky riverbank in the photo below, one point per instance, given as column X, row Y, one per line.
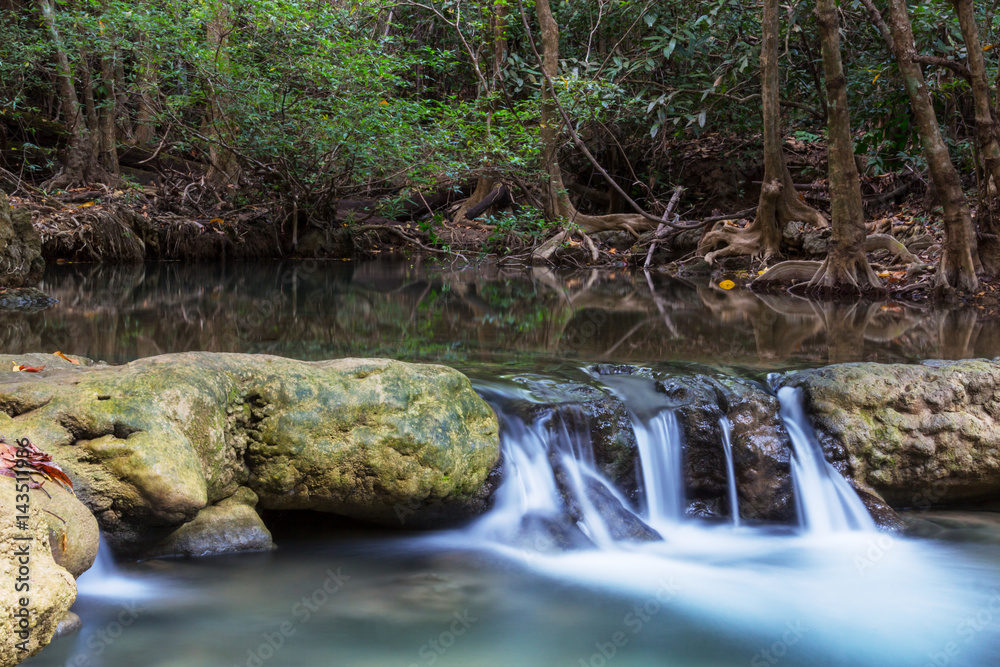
column 174, row 454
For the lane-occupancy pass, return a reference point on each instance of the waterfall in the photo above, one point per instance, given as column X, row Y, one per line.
column 734, row 505
column 660, row 442
column 662, row 468
column 826, row 502
column 104, row 579
column 554, row 497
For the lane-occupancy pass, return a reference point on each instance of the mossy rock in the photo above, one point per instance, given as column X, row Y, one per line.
column 151, row 444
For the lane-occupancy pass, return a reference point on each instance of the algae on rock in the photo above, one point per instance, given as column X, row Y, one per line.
column 151, row 444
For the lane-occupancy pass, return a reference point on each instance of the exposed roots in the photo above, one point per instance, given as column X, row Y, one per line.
column 544, row 252
column 890, row 244
column 485, row 186
column 736, row 242
column 790, row 272
column 758, row 239
column 853, row 275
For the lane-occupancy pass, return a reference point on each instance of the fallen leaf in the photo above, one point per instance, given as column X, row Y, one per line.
column 38, row 461
column 727, row 284
column 63, row 356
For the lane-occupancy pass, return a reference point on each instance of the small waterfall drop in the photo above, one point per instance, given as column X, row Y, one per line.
column 734, row 504
column 104, row 579
column 660, row 442
column 552, row 496
column 826, row 502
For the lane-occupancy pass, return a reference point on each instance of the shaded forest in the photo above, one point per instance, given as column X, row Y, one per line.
column 849, row 146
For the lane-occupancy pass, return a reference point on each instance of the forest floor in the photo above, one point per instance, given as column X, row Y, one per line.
column 153, row 216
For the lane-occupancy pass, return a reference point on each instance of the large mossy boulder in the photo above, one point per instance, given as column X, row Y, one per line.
column 152, row 444
column 918, row 435
column 50, row 590
column 21, row 263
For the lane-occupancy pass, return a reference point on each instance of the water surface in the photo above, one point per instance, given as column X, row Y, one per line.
column 707, row 594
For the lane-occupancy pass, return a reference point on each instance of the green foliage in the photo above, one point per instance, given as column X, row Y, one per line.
column 512, row 230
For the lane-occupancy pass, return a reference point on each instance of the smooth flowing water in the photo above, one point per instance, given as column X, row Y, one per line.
column 826, row 502
column 568, row 567
column 734, row 502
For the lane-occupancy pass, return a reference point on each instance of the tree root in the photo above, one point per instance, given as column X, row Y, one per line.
column 852, row 275
column 544, row 252
column 886, row 242
column 792, row 271
column 756, row 239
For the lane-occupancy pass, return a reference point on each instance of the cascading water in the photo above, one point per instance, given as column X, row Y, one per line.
column 554, row 496
column 826, row 502
column 104, row 579
column 660, row 443
column 734, row 503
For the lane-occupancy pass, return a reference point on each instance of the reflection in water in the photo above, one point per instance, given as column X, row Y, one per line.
column 469, row 315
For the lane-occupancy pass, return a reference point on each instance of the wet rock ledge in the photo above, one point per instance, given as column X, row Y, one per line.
column 176, row 454
column 919, row 435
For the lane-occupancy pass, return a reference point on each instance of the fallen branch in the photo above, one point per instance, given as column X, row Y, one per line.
column 666, row 216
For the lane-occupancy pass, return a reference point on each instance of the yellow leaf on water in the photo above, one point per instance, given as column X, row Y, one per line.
column 727, row 284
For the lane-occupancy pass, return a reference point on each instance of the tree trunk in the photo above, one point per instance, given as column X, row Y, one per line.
column 487, row 182
column 846, row 265
column 957, row 268
column 987, row 135
column 79, row 163
column 557, row 203
column 779, row 203
column 223, row 168
column 107, row 153
column 148, row 86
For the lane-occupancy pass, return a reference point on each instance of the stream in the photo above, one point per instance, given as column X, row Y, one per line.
column 567, row 568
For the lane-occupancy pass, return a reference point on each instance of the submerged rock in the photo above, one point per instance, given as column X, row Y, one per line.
column 152, row 444
column 232, row 524
column 917, row 435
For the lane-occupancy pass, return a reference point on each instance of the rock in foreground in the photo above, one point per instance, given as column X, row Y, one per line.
column 919, row 435
column 152, row 444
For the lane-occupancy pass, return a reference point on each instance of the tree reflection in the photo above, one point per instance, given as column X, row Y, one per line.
column 468, row 315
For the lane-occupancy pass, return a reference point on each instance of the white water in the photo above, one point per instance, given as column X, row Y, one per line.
column 105, row 580
column 859, row 598
column 826, row 502
column 660, row 442
column 734, row 503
